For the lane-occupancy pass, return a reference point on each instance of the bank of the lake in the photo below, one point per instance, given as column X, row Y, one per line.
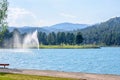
column 27, row 74
column 14, row 76
column 68, row 46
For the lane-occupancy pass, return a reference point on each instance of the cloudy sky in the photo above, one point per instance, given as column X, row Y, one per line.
column 49, row 12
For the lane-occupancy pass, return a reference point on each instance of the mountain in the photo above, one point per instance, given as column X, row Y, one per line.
column 54, row 28
column 107, row 32
column 68, row 26
column 27, row 29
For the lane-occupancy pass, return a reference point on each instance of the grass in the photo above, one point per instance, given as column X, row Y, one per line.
column 67, row 46
column 10, row 76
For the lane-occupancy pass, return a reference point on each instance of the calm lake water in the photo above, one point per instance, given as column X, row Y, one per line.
column 103, row 61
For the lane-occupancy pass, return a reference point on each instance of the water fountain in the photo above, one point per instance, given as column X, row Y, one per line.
column 30, row 40
column 17, row 40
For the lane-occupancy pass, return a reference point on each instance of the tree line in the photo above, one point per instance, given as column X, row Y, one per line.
column 52, row 38
column 60, row 38
column 106, row 33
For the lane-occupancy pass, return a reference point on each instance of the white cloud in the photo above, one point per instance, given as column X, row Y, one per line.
column 22, row 17
column 67, row 15
column 18, row 17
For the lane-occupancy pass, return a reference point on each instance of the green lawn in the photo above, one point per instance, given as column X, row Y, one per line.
column 67, row 46
column 9, row 76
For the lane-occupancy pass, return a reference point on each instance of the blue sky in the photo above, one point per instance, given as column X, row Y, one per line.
column 49, row 12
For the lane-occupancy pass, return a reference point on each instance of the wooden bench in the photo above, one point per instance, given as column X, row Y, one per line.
column 4, row 65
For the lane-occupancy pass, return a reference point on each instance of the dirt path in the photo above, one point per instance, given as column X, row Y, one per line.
column 63, row 74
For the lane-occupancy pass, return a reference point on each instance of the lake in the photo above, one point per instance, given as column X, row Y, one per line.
column 103, row 61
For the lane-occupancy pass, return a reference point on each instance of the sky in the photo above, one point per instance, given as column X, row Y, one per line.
column 49, row 12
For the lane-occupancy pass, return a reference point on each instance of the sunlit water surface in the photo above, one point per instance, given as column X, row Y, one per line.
column 103, row 61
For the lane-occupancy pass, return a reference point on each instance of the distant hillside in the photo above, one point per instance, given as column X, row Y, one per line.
column 55, row 28
column 27, row 29
column 104, row 33
column 68, row 26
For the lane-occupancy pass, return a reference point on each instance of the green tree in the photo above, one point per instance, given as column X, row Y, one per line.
column 3, row 14
column 42, row 37
column 51, row 38
column 4, row 35
column 58, row 38
column 61, row 38
column 70, row 38
column 79, row 38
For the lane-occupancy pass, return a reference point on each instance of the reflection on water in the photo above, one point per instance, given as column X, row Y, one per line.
column 16, row 50
column 104, row 60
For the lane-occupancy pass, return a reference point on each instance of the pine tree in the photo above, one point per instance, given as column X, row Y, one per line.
column 79, row 38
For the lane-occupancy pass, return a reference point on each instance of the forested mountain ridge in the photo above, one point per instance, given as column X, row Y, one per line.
column 61, row 27
column 107, row 33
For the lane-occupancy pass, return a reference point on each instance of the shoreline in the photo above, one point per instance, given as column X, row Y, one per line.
column 76, row 75
column 69, row 47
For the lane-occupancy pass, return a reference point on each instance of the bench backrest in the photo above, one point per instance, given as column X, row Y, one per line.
column 4, row 64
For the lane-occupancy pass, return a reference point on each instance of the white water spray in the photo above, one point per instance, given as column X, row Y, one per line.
column 29, row 41
column 17, row 40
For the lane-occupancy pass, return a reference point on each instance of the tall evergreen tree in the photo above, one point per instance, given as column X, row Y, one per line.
column 51, row 38
column 63, row 38
column 42, row 37
column 59, row 38
column 79, row 38
column 70, row 38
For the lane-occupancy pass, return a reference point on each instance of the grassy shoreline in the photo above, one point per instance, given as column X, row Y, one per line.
column 25, row 74
column 11, row 76
column 68, row 46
